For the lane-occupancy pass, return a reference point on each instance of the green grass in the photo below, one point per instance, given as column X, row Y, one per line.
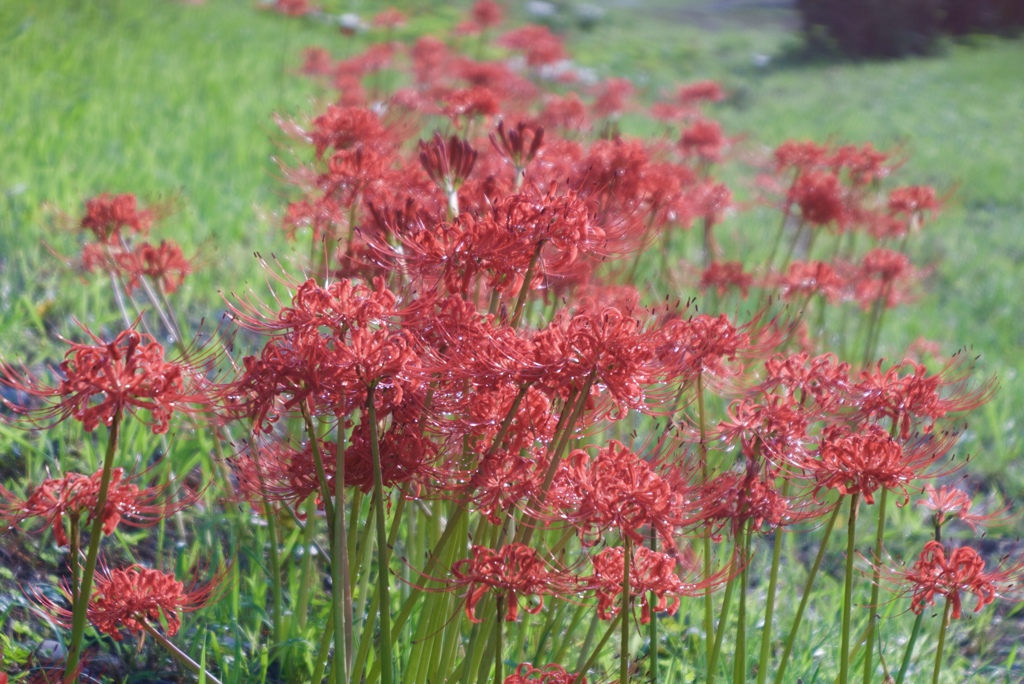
column 175, row 103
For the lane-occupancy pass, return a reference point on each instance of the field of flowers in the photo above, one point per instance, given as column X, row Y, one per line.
column 436, row 354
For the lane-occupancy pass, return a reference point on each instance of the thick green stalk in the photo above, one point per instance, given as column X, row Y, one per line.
column 305, row 584
column 524, row 291
column 499, row 621
column 788, row 649
column 942, row 642
column 653, row 625
column 340, row 569
column 177, row 653
column 582, row 669
column 910, row 648
column 716, row 650
column 709, row 609
column 624, row 650
column 275, row 576
column 80, row 607
column 869, row 669
column 740, row 663
column 321, row 654
column 76, row 567
column 321, row 474
column 844, row 653
column 383, row 551
column 769, row 611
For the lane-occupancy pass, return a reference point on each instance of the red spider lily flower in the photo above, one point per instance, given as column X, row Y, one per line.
column 470, row 103
column 864, row 165
column 102, row 380
column 390, row 18
column 703, row 139
column 701, row 91
column 274, row 471
column 343, row 127
column 774, row 427
column 564, row 112
column 612, row 97
column 75, row 495
column 316, row 61
column 950, row 503
column 799, row 155
column 520, row 145
column 405, row 456
column 822, row 379
column 549, row 674
column 603, row 341
column 906, row 392
column 540, row 45
column 701, row 345
column 447, row 162
column 884, row 275
column 803, row 279
column 711, row 201
column 486, row 13
column 724, row 276
column 106, row 215
column 869, row 459
column 650, row 572
column 821, row 198
column 619, row 491
column 134, row 597
column 505, row 480
column 914, row 199
column 950, row 573
column 511, row 572
column 292, row 8
column 164, row 264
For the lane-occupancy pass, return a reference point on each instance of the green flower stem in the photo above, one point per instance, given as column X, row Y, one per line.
column 306, row 581
column 524, row 291
column 942, row 642
column 910, row 649
column 275, row 574
column 383, row 551
column 876, row 559
column 340, row 569
column 627, row 552
column 740, row 662
column 321, row 474
column 588, row 663
column 716, row 649
column 321, row 655
column 788, row 648
column 652, row 627
column 769, row 611
column 177, row 653
column 76, row 567
column 80, row 607
column 499, row 621
column 709, row 608
column 844, row 652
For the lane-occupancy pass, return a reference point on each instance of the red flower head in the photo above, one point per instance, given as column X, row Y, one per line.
column 905, row 393
column 540, row 45
column 822, row 379
column 701, row 345
column 619, row 491
column 869, row 459
column 863, row 165
column 649, row 572
column 821, row 198
column 520, row 145
column 703, row 139
column 447, row 162
column 316, row 62
column 106, row 215
column 164, row 264
column 389, row 19
column 884, row 276
column 612, row 97
column 938, row 572
column 344, row 127
column 723, row 276
column 950, row 503
column 799, row 155
column 103, row 380
column 137, row 599
column 701, row 91
column 549, row 674
column 803, row 279
column 513, row 571
column 487, row 13
column 914, row 199
column 75, row 495
column 292, row 8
